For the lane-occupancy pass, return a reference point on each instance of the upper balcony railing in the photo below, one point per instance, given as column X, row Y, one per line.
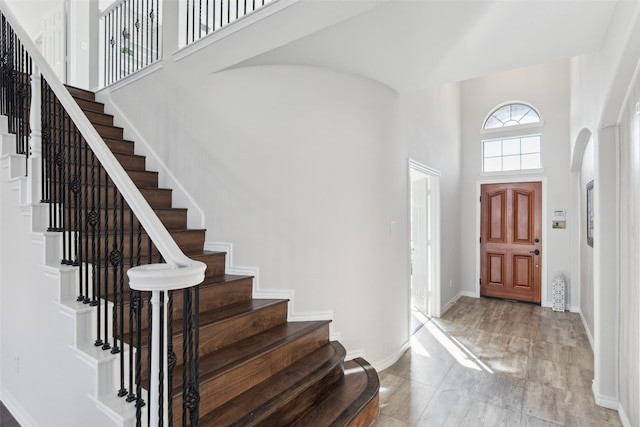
column 132, row 37
column 132, row 30
column 202, row 17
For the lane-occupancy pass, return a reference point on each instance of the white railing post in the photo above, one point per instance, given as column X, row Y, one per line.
column 34, row 190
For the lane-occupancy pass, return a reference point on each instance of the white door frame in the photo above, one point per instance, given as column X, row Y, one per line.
column 435, row 307
column 545, row 247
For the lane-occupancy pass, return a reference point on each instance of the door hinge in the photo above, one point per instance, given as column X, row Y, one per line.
column 480, row 282
column 480, row 240
column 480, row 199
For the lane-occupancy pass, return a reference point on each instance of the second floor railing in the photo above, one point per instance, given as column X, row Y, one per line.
column 132, row 37
column 132, row 29
column 203, row 17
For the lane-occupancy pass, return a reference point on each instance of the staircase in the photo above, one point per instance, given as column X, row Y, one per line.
column 255, row 367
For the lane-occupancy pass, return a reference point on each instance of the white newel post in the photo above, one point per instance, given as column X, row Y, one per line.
column 158, row 278
column 34, row 190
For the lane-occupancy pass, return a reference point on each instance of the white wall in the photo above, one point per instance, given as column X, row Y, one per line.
column 546, row 87
column 305, row 171
column 42, row 380
column 600, row 84
column 587, row 174
column 629, row 254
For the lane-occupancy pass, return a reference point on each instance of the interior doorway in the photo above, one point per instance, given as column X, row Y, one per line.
column 425, row 242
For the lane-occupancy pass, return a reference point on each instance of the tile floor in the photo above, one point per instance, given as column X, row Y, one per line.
column 489, row 362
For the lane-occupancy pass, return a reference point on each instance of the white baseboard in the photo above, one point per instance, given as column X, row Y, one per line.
column 586, row 328
column 19, row 413
column 623, row 416
column 355, row 353
column 604, row 401
column 393, row 358
column 453, row 300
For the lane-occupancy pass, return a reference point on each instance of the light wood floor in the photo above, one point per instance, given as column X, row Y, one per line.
column 489, row 362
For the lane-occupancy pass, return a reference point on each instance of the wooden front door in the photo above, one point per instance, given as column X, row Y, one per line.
column 510, row 241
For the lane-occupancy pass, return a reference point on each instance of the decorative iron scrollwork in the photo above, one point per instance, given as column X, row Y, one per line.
column 93, row 218
column 59, row 158
column 125, row 34
column 115, row 256
column 74, row 185
column 171, row 359
column 137, row 24
column 112, row 42
column 192, row 398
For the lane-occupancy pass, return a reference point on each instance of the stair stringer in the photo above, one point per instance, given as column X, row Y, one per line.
column 61, row 282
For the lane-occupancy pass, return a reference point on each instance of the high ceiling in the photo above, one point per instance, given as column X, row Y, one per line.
column 413, row 44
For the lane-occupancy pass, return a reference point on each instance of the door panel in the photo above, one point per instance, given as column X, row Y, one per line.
column 496, row 269
column 511, row 229
column 523, row 206
column 497, row 224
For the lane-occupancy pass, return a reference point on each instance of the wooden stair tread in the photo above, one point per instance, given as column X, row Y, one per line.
column 77, row 92
column 235, row 310
column 218, row 362
column 354, row 402
column 264, row 400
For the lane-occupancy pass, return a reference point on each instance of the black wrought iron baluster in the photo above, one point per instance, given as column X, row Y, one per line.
column 150, row 344
column 68, row 214
column 91, row 221
column 206, row 21
column 171, row 357
column 161, row 361
column 137, row 43
column 123, row 390
column 46, row 135
column 139, row 400
column 186, row 348
column 190, row 393
column 78, row 208
column 95, row 223
column 53, row 163
column 199, row 18
column 147, row 18
column 193, row 19
column 120, row 41
column 157, row 30
column 213, row 14
column 85, row 224
column 133, row 345
column 115, row 257
column 105, row 238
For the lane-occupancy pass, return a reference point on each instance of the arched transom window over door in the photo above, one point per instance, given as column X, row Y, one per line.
column 514, row 146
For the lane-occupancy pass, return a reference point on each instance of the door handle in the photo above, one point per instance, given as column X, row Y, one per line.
column 536, row 252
